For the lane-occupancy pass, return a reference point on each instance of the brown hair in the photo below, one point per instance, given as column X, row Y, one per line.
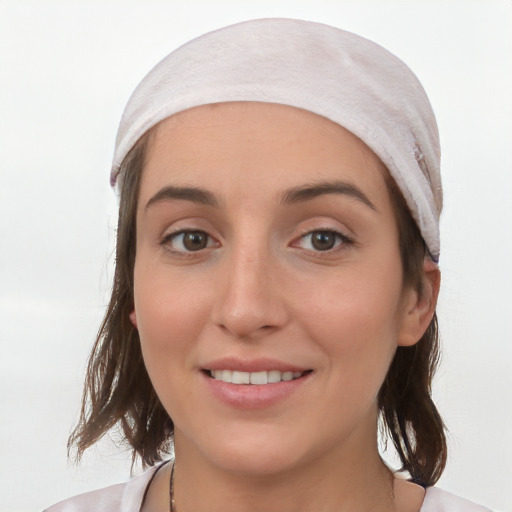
column 118, row 391
column 409, row 414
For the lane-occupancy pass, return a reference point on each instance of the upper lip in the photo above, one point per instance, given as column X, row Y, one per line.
column 252, row 365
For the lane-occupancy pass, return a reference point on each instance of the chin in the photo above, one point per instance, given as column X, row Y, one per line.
column 251, row 451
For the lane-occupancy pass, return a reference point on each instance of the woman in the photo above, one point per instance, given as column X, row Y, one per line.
column 276, row 280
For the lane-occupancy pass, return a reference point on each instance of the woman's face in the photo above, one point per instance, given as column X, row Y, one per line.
column 267, row 250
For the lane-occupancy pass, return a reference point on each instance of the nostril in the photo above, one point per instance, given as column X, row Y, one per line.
column 243, row 313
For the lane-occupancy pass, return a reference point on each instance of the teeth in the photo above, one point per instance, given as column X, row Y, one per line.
column 256, row 378
column 240, row 378
column 274, row 376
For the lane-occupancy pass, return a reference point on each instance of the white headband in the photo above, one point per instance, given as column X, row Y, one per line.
column 336, row 74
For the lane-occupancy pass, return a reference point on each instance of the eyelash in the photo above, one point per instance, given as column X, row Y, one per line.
column 168, row 240
column 341, row 241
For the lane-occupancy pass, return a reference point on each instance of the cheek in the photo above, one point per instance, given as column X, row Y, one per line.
column 355, row 319
column 170, row 315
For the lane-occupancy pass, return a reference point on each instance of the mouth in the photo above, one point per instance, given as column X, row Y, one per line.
column 253, row 384
column 259, row 378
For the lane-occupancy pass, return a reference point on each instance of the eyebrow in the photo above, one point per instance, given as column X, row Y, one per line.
column 308, row 192
column 291, row 196
column 194, row 194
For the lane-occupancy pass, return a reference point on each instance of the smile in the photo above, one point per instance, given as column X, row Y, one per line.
column 256, row 384
column 254, row 378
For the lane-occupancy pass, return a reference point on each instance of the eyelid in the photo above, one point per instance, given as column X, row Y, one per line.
column 168, row 237
column 345, row 241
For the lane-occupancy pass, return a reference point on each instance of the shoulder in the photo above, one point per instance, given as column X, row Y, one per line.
column 108, row 498
column 437, row 500
column 125, row 497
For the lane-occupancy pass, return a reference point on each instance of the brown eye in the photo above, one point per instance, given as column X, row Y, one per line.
column 188, row 241
column 195, row 240
column 323, row 240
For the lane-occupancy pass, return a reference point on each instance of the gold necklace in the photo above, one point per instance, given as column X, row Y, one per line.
column 172, row 505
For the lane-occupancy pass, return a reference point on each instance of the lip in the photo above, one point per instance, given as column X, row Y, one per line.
column 253, row 365
column 249, row 396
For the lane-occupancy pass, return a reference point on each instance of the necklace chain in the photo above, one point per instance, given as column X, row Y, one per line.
column 172, row 505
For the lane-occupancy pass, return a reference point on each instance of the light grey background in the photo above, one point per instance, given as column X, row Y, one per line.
column 66, row 71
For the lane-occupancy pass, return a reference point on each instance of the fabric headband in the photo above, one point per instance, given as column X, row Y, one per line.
column 330, row 72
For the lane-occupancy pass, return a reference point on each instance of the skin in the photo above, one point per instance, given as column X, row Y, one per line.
column 261, row 288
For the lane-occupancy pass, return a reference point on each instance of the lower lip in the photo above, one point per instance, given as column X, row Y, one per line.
column 250, row 396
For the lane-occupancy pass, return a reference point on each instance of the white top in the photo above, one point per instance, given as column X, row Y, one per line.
column 128, row 497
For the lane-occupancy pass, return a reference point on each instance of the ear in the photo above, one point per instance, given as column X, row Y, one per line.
column 133, row 318
column 419, row 309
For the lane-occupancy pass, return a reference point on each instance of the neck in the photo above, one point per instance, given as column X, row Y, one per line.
column 345, row 480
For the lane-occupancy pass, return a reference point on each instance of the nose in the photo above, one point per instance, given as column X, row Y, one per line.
column 250, row 302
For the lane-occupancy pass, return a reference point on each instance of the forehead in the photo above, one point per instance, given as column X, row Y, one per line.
column 257, row 146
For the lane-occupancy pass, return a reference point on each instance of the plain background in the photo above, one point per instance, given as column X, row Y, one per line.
column 67, row 69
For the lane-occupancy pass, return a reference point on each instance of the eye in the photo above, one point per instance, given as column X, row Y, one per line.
column 188, row 241
column 323, row 240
